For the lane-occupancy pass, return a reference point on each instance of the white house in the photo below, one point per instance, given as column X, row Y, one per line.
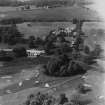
column 34, row 52
column 31, row 52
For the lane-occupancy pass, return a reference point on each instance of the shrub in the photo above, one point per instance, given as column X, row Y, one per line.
column 5, row 56
column 20, row 52
column 63, row 99
column 39, row 99
column 46, row 99
column 84, row 89
column 86, row 50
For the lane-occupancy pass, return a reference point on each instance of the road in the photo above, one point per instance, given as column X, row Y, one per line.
column 31, row 83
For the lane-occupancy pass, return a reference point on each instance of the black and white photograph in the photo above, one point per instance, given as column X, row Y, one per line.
column 52, row 52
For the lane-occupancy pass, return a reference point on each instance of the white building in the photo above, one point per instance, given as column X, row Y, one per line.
column 31, row 52
column 34, row 52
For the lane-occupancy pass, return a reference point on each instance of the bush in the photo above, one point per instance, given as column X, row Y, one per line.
column 63, row 99
column 5, row 57
column 84, row 89
column 87, row 50
column 12, row 21
column 93, row 55
column 46, row 99
column 40, row 99
column 20, row 52
column 77, row 99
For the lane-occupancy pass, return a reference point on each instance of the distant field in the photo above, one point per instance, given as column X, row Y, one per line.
column 52, row 14
column 5, row 9
column 42, row 29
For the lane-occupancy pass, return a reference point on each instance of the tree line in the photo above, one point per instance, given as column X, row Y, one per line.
column 53, row 44
column 36, row 2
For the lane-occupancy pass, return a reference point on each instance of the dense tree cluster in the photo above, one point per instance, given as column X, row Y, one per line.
column 35, row 42
column 10, row 34
column 17, row 52
column 71, row 57
column 38, row 3
column 39, row 99
column 64, row 66
column 46, row 99
column 20, row 52
column 56, row 43
column 54, row 3
column 12, row 21
column 5, row 56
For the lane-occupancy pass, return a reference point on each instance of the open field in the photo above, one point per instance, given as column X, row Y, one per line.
column 16, row 66
column 19, row 97
column 41, row 29
column 52, row 14
column 69, row 87
column 44, row 2
column 94, row 30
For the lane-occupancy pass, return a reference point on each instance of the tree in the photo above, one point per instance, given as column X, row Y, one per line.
column 63, row 99
column 31, row 42
column 93, row 55
column 64, row 65
column 31, row 38
column 39, row 41
column 40, row 99
column 20, row 52
column 12, row 35
column 5, row 56
column 48, row 47
column 97, row 51
column 87, row 50
column 0, row 39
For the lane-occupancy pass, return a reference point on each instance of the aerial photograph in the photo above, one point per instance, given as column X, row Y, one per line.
column 52, row 52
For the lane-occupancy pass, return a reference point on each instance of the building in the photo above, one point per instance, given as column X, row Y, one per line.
column 34, row 52
column 31, row 52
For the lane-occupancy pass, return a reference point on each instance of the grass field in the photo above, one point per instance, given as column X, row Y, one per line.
column 52, row 14
column 17, row 65
column 41, row 29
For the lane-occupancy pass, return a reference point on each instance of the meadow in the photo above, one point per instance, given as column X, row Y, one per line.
column 51, row 14
column 42, row 29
